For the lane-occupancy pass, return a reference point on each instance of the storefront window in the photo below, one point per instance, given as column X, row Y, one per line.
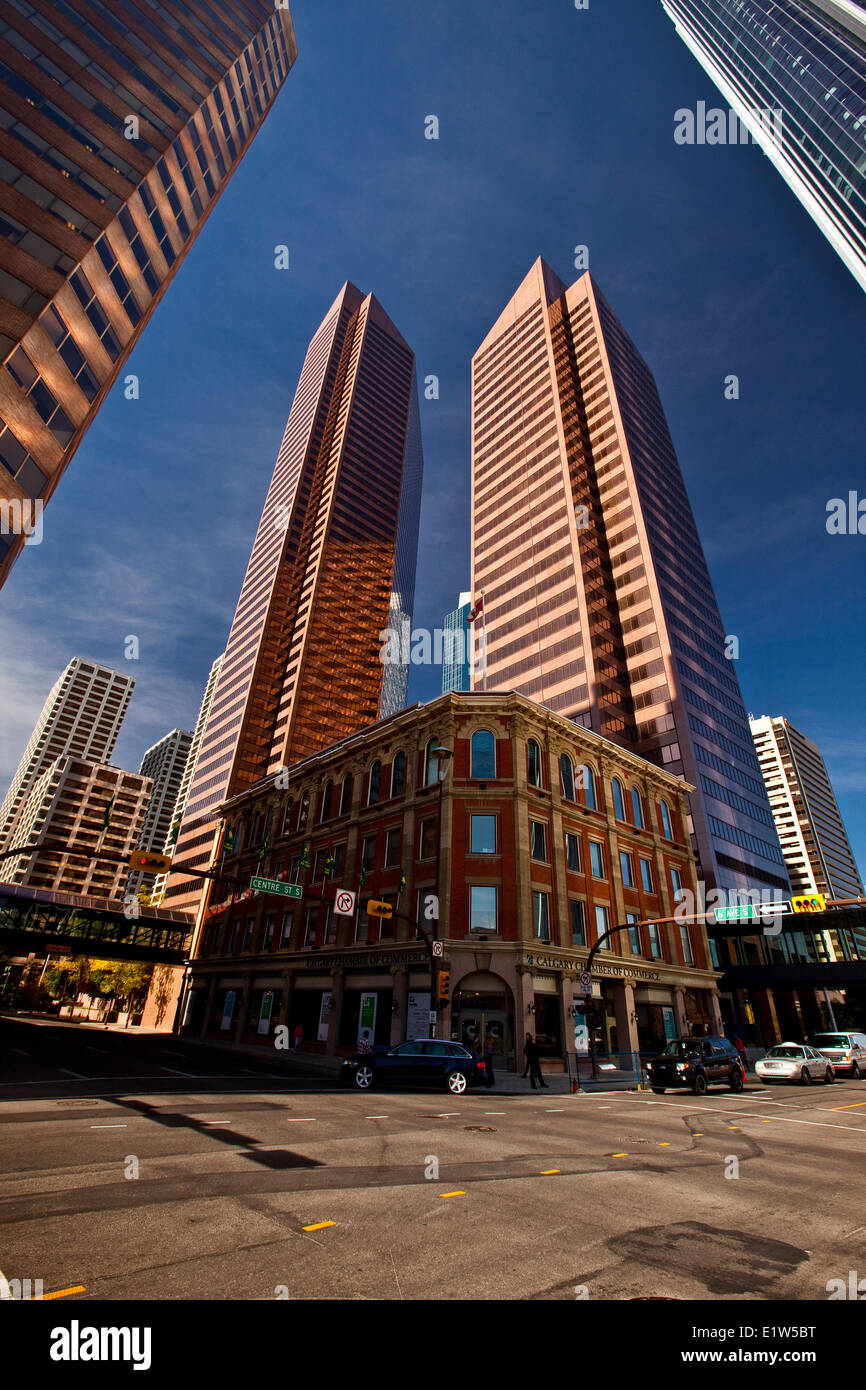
column 546, row 1024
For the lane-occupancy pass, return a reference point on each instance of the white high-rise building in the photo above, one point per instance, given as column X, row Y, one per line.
column 811, row 829
column 81, row 718
column 165, row 763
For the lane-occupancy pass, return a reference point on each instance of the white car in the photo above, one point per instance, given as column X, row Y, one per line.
column 847, row 1051
column 794, row 1062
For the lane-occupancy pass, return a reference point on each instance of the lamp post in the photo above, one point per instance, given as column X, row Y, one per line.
column 443, row 758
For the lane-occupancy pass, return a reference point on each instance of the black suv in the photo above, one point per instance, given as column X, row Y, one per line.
column 421, row 1061
column 696, row 1063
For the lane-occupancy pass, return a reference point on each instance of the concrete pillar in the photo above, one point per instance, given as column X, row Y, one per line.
column 338, row 982
column 244, row 1011
column 208, row 1008
column 626, row 1019
column 683, row 1023
column 568, row 982
column 286, row 998
column 524, row 995
column 716, row 1016
column 400, row 976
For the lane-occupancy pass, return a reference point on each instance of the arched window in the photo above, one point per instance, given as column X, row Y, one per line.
column 566, row 773
column 288, row 815
column 398, row 774
column 533, row 754
column 375, row 783
column 346, row 795
column 431, row 766
column 618, row 801
column 327, row 799
column 637, row 808
column 483, row 755
column 304, row 812
column 589, row 786
column 666, row 820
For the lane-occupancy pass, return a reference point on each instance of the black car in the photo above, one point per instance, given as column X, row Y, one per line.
column 419, row 1062
column 696, row 1063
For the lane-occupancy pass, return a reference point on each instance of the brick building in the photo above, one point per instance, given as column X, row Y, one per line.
column 549, row 834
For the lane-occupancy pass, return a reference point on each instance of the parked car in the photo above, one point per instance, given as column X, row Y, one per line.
column 418, row 1062
column 695, row 1064
column 847, row 1051
column 794, row 1062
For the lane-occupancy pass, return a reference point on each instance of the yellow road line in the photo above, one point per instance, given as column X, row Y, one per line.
column 63, row 1293
column 665, row 1144
column 452, row 1194
column 546, row 1172
column 619, row 1155
column 320, row 1225
column 856, row 1106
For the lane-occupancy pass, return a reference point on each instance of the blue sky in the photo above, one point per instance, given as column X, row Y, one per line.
column 556, row 129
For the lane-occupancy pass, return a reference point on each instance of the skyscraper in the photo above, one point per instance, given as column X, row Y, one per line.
column 597, row 598
column 121, row 122
column 164, row 764
column 332, row 571
column 82, row 717
column 810, row 826
column 457, row 635
column 188, row 771
column 806, row 60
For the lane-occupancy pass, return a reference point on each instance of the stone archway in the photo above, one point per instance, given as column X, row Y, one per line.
column 482, row 1017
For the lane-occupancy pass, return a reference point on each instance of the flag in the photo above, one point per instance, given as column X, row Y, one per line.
column 329, row 866
column 402, row 884
column 229, row 842
column 304, row 861
column 477, row 607
column 363, row 879
column 263, row 849
column 175, row 831
column 106, row 819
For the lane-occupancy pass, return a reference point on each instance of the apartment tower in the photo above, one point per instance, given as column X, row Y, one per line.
column 332, row 570
column 804, row 60
column 597, row 598
column 121, row 122
column 165, row 764
column 82, row 717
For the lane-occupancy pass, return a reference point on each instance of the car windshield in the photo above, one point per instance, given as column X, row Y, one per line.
column 830, row 1040
column 785, row 1052
column 689, row 1048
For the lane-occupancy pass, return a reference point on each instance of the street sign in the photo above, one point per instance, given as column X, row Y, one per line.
column 276, row 885
column 438, row 948
column 815, row 902
column 344, row 903
column 585, row 982
column 773, row 909
column 743, row 912
column 376, row 909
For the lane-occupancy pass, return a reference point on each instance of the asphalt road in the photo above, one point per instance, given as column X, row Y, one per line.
column 192, row 1187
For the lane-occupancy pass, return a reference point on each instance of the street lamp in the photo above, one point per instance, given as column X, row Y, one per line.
column 443, row 758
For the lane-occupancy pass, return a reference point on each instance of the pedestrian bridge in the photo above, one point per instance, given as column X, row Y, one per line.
column 40, row 920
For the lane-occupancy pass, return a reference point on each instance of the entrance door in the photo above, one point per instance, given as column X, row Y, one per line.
column 483, row 1030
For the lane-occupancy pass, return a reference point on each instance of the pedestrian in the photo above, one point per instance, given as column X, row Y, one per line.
column 298, row 1035
column 535, row 1065
column 488, row 1069
column 527, row 1048
column 740, row 1046
column 364, row 1046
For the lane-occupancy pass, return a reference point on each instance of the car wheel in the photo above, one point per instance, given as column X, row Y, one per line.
column 699, row 1086
column 457, row 1083
column 658, row 1090
column 805, row 1076
column 364, row 1078
column 736, row 1080
column 828, row 1076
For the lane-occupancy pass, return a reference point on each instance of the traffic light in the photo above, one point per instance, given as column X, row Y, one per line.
column 444, row 984
column 813, row 902
column 375, row 909
column 146, row 863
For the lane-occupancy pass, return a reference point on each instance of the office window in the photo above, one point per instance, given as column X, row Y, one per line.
column 330, row 925
column 482, row 909
column 686, row 942
column 287, row 816
column 676, row 883
column 431, row 766
column 398, row 774
column 387, row 924
column 566, row 777
column 270, row 930
column 362, row 925
column 304, row 812
column 319, row 864
column 392, row 848
column 533, row 754
column 602, row 921
column 637, row 808
column 654, row 941
column 633, row 934
column 646, row 875
column 249, row 930
column 626, row 869
column 327, row 798
column 537, row 840
column 375, row 783
column 541, row 915
column 346, row 795
column 310, row 933
column 286, row 928
column 578, row 923
column 339, row 861
column 572, row 852
column 483, row 755
column 618, row 802
column 482, row 834
column 667, row 827
column 428, row 840
column 368, row 853
column 596, row 859
column 588, row 780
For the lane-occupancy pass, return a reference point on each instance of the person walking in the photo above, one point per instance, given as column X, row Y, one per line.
column 527, row 1048
column 298, row 1036
column 535, row 1065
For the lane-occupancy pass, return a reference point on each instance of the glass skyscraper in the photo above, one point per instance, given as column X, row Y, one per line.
column 597, row 598
column 807, row 60
column 121, row 122
column 332, row 569
column 457, row 635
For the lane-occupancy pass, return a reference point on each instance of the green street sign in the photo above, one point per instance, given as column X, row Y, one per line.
column 276, row 885
column 745, row 912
